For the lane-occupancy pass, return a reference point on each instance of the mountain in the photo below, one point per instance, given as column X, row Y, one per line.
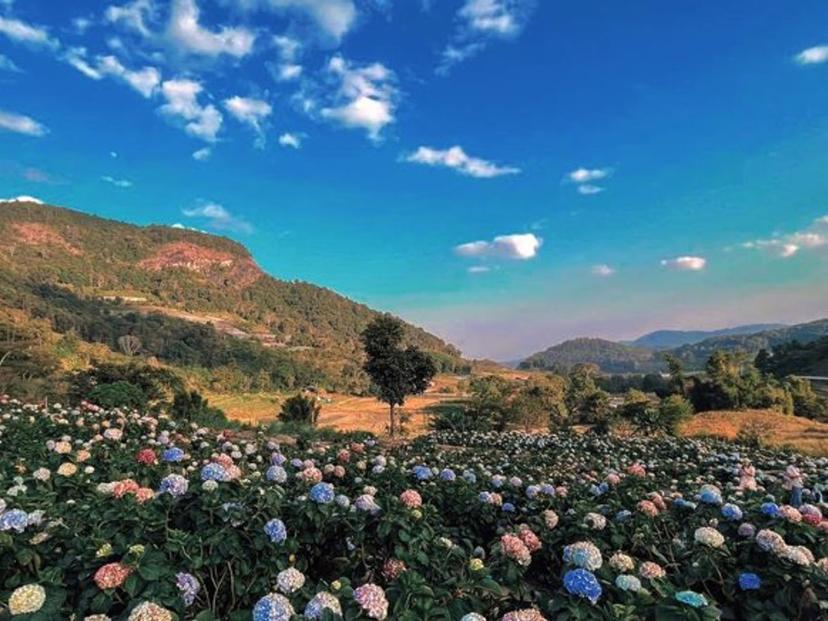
column 695, row 355
column 610, row 356
column 669, row 339
column 191, row 300
column 614, row 357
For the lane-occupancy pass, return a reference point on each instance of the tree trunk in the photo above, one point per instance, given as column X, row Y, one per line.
column 392, row 421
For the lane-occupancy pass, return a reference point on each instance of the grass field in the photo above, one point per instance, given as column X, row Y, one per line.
column 801, row 434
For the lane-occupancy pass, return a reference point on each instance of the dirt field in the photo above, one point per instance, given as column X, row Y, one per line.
column 800, row 434
column 344, row 412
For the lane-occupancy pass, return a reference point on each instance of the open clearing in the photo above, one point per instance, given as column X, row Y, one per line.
column 801, row 434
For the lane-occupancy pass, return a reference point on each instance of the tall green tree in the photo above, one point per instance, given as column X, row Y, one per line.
column 395, row 372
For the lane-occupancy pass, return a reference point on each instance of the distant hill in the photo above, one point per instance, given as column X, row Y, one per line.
column 611, row 357
column 669, row 339
column 614, row 357
column 695, row 355
column 194, row 301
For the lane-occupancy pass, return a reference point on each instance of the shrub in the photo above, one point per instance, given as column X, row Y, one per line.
column 118, row 394
column 300, row 409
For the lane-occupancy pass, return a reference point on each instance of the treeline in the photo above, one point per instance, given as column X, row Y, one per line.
column 795, row 358
column 173, row 341
column 650, row 404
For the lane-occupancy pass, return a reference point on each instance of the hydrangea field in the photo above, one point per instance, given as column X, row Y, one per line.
column 113, row 515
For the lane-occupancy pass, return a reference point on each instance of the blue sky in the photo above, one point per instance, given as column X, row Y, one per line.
column 507, row 173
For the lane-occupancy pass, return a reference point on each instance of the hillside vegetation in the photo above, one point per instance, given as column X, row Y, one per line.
column 74, row 284
column 612, row 357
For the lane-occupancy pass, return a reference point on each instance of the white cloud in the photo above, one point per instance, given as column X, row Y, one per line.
column 813, row 55
column 292, row 140
column 365, row 96
column 203, row 122
column 585, row 175
column 202, row 154
column 120, row 183
column 22, row 32
column 603, row 270
column 21, row 124
column 287, row 68
column 22, row 199
column 479, row 269
column 188, row 35
column 685, row 263
column 588, row 189
column 219, row 218
column 134, row 15
column 787, row 245
column 457, row 159
column 518, row 246
column 333, row 18
column 146, row 80
column 480, row 21
column 7, row 64
column 252, row 112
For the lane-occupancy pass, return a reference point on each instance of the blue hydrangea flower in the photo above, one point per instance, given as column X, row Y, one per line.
column 583, row 583
column 214, row 472
column 174, row 484
column 447, row 474
column 683, row 503
column 731, row 512
column 599, row 490
column 343, row 501
column 277, row 459
column 173, row 454
column 628, row 582
column 498, row 481
column 691, row 598
column 508, row 507
column 749, row 581
column 276, row 474
column 188, row 586
column 15, row 520
column 322, row 493
column 548, row 489
column 322, row 602
column 771, row 509
column 297, row 463
column 275, row 529
column 623, row 515
column 711, row 496
column 470, row 476
column 422, row 473
column 485, row 497
column 532, row 491
column 273, row 607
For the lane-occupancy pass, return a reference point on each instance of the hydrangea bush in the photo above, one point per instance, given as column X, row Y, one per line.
column 125, row 516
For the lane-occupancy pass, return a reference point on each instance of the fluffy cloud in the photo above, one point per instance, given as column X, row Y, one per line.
column 200, row 121
column 686, row 263
column 518, row 246
column 21, row 124
column 287, row 68
column 146, row 80
column 479, row 269
column 584, row 178
column 788, row 245
column 333, row 18
column 21, row 32
column 586, row 175
column 202, row 155
column 188, row 35
column 813, row 55
column 133, row 15
column 219, row 218
column 480, row 21
column 457, row 159
column 365, row 97
column 603, row 270
column 291, row 140
column 252, row 112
